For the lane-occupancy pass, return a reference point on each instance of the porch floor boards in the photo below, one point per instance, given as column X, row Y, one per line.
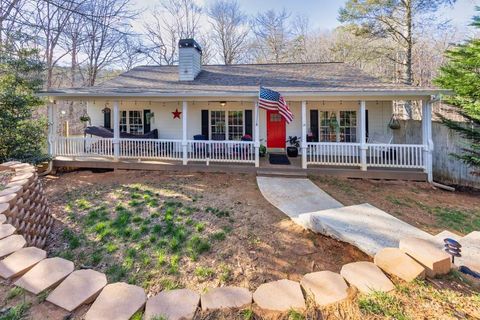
column 265, row 168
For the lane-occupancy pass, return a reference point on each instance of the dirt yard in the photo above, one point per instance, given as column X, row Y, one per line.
column 419, row 204
column 182, row 230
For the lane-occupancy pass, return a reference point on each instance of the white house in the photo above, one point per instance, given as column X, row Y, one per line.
column 201, row 114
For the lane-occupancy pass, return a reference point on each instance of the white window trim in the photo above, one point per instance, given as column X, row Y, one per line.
column 337, row 129
column 226, row 123
column 127, row 119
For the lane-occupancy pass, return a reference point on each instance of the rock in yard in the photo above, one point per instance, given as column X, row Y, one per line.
column 11, row 244
column 395, row 262
column 366, row 277
column 226, row 297
column 20, row 262
column 326, row 287
column 117, row 301
column 179, row 304
column 46, row 274
column 281, row 295
column 77, row 289
column 435, row 261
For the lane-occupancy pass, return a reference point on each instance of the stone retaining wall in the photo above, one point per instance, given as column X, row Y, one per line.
column 24, row 205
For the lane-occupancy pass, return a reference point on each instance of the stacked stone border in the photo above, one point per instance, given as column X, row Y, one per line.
column 29, row 268
column 24, row 206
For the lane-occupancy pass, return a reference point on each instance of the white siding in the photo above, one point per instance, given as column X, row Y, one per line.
column 168, row 128
column 189, row 63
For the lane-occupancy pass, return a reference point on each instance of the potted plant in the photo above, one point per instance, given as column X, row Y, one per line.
column 262, row 150
column 292, row 150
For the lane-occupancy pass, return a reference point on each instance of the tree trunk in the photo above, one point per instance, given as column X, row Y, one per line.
column 409, row 48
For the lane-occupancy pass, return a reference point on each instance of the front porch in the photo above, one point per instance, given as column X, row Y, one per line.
column 353, row 152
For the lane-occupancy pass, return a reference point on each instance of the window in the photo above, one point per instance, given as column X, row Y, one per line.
column 348, row 126
column 328, row 126
column 235, row 125
column 131, row 121
column 217, row 123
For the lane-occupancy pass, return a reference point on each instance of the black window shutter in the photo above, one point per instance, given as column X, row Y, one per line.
column 314, row 124
column 107, row 123
column 249, row 122
column 366, row 124
column 146, row 121
column 205, row 123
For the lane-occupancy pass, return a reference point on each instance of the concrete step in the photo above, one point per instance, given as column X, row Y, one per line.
column 20, row 262
column 366, row 277
column 117, row 301
column 45, row 275
column 79, row 288
column 280, row 296
column 395, row 262
column 11, row 244
column 281, row 173
column 180, row 304
column 225, row 298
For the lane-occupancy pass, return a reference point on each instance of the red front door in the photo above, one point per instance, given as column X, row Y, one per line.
column 275, row 130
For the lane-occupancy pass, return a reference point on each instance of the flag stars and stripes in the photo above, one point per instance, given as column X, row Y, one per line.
column 274, row 101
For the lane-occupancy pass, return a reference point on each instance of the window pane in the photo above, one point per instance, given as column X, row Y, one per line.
column 328, row 126
column 235, row 125
column 123, row 121
column 135, row 120
column 348, row 126
column 217, row 123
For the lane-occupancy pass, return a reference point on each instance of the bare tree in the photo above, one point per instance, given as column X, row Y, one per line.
column 230, row 29
column 133, row 54
column 106, row 26
column 272, row 35
column 171, row 21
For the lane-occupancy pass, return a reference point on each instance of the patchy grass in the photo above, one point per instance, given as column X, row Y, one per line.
column 142, row 238
column 464, row 221
column 382, row 304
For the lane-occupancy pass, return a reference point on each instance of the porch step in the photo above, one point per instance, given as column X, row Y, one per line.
column 282, row 173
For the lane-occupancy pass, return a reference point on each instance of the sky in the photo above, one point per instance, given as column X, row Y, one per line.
column 323, row 13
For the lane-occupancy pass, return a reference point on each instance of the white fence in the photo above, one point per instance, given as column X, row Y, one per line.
column 207, row 151
column 221, row 151
column 395, row 155
column 334, row 154
column 151, row 149
column 82, row 147
column 377, row 155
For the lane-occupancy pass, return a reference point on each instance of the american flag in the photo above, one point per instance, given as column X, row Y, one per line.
column 272, row 100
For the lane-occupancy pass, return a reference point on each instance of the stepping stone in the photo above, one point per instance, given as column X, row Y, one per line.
column 3, row 218
column 435, row 260
column 395, row 262
column 11, row 244
column 474, row 235
column 23, row 176
column 20, row 262
column 364, row 226
column 15, row 189
column 366, row 277
column 446, row 234
column 79, row 288
column 470, row 252
column 226, row 297
column 46, row 274
column 6, row 230
column 326, row 287
column 177, row 304
column 117, row 301
column 281, row 295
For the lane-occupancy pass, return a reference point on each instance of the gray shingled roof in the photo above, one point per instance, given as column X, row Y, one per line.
column 244, row 80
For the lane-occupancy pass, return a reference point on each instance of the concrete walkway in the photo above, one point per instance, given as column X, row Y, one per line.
column 296, row 197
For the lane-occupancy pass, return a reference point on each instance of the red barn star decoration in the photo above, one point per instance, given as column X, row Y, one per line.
column 176, row 114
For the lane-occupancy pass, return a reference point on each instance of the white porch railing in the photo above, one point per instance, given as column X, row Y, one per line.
column 151, row 149
column 82, row 147
column 221, row 151
column 395, row 155
column 335, row 154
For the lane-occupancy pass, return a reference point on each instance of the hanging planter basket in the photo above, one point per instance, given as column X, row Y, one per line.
column 394, row 124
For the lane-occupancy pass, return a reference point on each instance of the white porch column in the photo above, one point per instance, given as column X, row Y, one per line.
column 256, row 135
column 363, row 136
column 304, row 135
column 184, row 132
column 116, row 131
column 427, row 139
column 52, row 127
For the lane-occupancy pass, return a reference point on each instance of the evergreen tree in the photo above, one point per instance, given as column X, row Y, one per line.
column 22, row 137
column 462, row 75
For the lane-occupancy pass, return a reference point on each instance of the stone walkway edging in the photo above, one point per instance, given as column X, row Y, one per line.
column 120, row 300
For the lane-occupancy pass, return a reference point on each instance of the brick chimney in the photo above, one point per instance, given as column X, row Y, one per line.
column 189, row 59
